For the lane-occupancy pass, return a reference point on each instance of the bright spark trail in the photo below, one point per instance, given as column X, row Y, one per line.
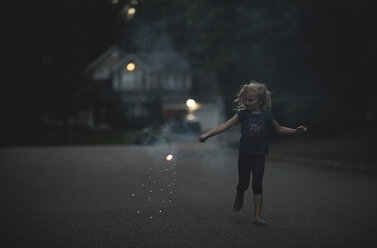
column 159, row 186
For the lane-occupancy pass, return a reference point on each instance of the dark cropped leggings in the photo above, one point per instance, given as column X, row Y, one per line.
column 248, row 163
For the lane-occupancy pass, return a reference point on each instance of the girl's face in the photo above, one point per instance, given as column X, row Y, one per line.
column 251, row 101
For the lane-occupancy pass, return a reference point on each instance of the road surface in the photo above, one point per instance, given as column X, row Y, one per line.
column 98, row 196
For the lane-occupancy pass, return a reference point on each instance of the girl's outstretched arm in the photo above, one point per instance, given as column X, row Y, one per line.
column 287, row 130
column 220, row 128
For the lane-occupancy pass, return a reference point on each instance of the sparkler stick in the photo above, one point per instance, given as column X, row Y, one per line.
column 171, row 156
column 186, row 147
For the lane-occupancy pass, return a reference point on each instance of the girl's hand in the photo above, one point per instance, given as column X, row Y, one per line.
column 301, row 130
column 203, row 138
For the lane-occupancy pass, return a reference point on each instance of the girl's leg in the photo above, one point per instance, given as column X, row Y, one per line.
column 258, row 172
column 238, row 202
column 258, row 201
column 244, row 170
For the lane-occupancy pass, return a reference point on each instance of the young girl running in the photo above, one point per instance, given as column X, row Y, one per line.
column 253, row 101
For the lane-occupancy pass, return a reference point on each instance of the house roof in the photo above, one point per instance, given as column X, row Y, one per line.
column 155, row 61
column 112, row 50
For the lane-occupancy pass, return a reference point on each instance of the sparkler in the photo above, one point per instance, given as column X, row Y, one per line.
column 171, row 156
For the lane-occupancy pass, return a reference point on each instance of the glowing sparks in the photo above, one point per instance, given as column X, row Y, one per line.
column 169, row 157
column 158, row 187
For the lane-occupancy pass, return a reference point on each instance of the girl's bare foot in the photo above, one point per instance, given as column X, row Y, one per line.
column 260, row 222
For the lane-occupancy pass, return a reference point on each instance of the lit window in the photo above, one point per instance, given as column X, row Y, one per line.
column 132, row 81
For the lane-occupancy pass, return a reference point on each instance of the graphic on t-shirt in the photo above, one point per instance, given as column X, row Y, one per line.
column 253, row 128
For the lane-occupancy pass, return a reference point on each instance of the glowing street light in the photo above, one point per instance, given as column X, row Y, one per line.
column 190, row 103
column 131, row 12
column 128, row 12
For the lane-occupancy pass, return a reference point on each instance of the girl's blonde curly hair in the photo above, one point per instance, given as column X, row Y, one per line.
column 262, row 92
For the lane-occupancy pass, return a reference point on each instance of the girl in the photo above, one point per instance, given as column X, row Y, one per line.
column 253, row 101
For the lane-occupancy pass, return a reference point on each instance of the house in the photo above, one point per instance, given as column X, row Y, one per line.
column 136, row 90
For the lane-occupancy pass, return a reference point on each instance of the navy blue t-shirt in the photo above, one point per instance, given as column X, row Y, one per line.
column 254, row 136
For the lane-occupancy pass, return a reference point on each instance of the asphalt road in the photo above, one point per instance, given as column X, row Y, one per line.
column 82, row 197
